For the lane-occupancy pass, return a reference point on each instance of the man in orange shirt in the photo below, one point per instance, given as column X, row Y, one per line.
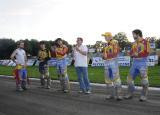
column 112, row 77
column 139, row 52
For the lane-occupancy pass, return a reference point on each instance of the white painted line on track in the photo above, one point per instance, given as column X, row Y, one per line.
column 93, row 84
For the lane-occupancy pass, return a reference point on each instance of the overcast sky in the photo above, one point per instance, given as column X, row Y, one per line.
column 49, row 19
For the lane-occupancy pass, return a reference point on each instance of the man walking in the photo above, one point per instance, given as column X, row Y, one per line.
column 112, row 77
column 139, row 52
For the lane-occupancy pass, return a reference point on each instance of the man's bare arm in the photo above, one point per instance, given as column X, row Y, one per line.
column 13, row 56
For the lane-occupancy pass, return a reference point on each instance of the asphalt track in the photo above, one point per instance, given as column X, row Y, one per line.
column 38, row 101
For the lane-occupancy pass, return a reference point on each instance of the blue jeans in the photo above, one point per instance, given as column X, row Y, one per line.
column 139, row 67
column 61, row 66
column 82, row 73
column 111, row 70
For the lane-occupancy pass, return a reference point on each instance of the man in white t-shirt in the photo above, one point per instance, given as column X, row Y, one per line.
column 19, row 57
column 81, row 65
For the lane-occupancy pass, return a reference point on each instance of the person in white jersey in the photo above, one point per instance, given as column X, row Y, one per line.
column 19, row 57
column 81, row 65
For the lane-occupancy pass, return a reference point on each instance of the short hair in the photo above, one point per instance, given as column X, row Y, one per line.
column 19, row 42
column 79, row 38
column 41, row 43
column 58, row 39
column 138, row 32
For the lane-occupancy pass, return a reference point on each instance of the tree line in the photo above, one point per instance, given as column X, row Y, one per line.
column 8, row 45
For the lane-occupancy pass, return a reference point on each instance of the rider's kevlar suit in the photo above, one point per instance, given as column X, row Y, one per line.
column 61, row 53
column 112, row 77
column 20, row 74
column 139, row 51
column 44, row 56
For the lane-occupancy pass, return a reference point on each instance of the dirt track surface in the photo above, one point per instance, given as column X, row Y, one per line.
column 39, row 101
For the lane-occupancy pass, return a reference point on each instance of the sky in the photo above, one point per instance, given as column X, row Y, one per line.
column 69, row 19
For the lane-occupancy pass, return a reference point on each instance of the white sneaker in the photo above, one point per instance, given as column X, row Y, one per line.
column 109, row 97
column 143, row 98
column 19, row 89
column 88, row 92
column 128, row 96
column 65, row 91
column 48, row 87
column 81, row 91
column 119, row 98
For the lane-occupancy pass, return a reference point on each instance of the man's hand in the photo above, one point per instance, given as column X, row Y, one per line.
column 64, row 46
column 25, row 65
column 135, row 54
column 77, row 49
column 56, row 50
column 104, row 57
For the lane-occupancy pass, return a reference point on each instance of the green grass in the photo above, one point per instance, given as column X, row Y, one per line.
column 96, row 74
